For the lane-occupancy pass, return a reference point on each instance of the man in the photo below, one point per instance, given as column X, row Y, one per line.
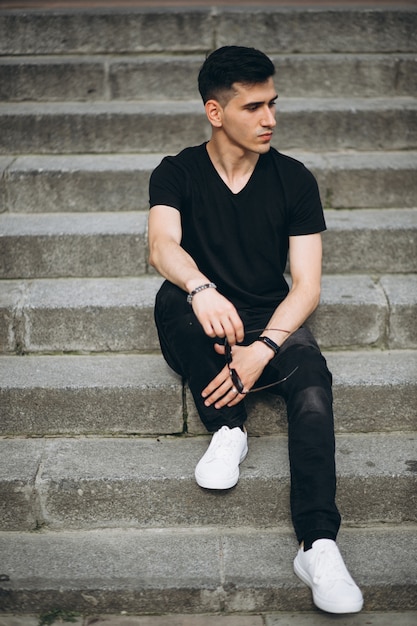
column 224, row 217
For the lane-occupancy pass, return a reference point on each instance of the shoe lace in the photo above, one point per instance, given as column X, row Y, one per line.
column 226, row 444
column 330, row 566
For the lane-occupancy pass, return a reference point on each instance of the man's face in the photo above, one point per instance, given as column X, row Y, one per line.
column 248, row 117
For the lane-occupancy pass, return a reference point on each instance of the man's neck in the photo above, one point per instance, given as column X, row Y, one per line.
column 234, row 166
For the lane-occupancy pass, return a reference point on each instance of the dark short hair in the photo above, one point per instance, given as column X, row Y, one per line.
column 229, row 65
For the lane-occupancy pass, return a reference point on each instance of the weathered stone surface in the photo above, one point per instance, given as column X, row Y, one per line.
column 100, row 395
column 78, row 183
column 402, row 296
column 27, row 620
column 114, row 91
column 374, row 391
column 346, row 124
column 274, row 29
column 73, row 245
column 273, row 618
column 47, row 245
column 19, row 503
column 365, row 179
column 91, row 314
column 27, row 128
column 106, row 30
column 353, row 312
column 298, row 75
column 51, row 79
column 370, row 240
column 198, row 571
column 159, row 77
column 385, row 618
column 12, row 296
column 5, row 162
column 339, row 124
column 148, row 483
column 165, row 77
column 347, row 75
column 317, row 30
column 121, row 394
column 117, row 314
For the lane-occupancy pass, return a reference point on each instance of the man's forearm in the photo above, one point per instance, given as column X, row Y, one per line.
column 166, row 254
column 176, row 265
column 305, row 262
column 293, row 312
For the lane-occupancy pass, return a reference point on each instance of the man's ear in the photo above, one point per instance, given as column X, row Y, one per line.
column 214, row 112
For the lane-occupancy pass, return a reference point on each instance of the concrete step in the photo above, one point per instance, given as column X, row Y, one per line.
column 81, row 483
column 107, row 314
column 47, row 245
column 370, row 238
column 208, row 570
column 78, row 314
column 322, row 124
column 165, row 29
column 73, row 244
column 139, row 394
column 79, row 183
column 174, row 77
column 270, row 618
column 97, row 451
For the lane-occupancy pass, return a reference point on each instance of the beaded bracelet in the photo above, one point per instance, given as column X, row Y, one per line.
column 198, row 289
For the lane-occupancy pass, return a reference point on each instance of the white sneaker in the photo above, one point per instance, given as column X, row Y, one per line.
column 323, row 570
column 219, row 467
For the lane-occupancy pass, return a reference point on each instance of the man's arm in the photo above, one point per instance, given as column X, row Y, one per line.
column 305, row 254
column 216, row 314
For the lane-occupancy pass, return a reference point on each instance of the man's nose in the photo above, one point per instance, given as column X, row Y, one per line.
column 269, row 118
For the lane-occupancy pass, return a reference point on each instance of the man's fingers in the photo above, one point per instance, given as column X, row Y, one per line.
column 233, row 329
column 220, row 379
column 221, row 391
column 239, row 329
column 216, row 394
column 220, row 320
column 224, row 327
column 231, row 398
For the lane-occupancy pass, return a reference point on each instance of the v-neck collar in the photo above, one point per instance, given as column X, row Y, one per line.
column 221, row 179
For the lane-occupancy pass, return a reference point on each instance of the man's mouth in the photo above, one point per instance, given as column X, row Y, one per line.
column 266, row 135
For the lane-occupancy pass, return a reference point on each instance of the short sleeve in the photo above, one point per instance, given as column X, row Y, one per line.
column 166, row 184
column 306, row 214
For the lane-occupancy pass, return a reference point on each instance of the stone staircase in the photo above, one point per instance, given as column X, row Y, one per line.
column 99, row 510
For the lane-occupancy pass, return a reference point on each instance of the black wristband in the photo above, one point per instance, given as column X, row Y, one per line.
column 268, row 342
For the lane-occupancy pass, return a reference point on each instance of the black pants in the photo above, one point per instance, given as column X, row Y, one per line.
column 308, row 395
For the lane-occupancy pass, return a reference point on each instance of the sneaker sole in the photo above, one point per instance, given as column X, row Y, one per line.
column 322, row 603
column 224, row 484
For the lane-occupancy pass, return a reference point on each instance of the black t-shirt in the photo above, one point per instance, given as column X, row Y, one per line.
column 240, row 241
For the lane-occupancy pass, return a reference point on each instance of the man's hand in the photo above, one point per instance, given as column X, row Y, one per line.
column 218, row 316
column 249, row 362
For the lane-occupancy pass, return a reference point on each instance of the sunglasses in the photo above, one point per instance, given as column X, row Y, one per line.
column 235, row 376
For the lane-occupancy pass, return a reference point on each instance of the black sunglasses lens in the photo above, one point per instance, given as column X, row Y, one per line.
column 236, row 381
column 227, row 352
